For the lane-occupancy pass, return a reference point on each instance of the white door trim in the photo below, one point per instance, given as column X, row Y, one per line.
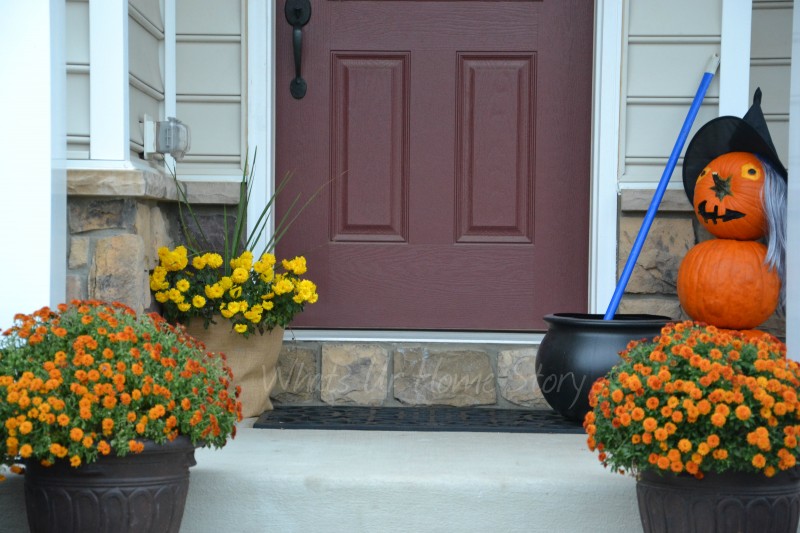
column 261, row 108
column 605, row 154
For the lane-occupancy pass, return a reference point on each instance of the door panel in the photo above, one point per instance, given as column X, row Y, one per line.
column 450, row 141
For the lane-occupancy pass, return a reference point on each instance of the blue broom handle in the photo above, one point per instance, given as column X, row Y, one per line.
column 662, row 187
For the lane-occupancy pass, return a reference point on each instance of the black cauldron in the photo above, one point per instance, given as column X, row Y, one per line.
column 580, row 348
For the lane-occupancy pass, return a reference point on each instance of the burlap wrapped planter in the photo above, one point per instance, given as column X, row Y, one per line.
column 253, row 361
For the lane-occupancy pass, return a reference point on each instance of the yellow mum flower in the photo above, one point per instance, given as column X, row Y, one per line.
column 174, row 260
column 199, row 262
column 214, row 291
column 253, row 316
column 267, row 276
column 305, row 291
column 243, row 261
column 198, row 301
column 175, row 295
column 158, row 279
column 268, row 259
column 162, row 297
column 240, row 328
column 296, row 265
column 184, row 306
column 282, row 286
column 183, row 285
column 213, row 260
column 261, row 266
column 226, row 312
column 235, row 292
column 225, row 282
column 239, row 275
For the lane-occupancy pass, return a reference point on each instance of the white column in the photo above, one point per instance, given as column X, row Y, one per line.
column 170, row 61
column 32, row 148
column 734, row 64
column 261, row 109
column 793, row 204
column 109, row 112
column 605, row 154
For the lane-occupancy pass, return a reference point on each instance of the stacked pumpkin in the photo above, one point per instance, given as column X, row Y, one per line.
column 729, row 281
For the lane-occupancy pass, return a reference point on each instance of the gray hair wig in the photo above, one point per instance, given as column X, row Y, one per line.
column 773, row 197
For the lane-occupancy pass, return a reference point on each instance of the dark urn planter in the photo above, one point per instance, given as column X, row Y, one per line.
column 138, row 493
column 731, row 501
column 580, row 348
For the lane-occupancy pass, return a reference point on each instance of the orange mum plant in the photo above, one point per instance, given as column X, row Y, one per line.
column 94, row 378
column 697, row 399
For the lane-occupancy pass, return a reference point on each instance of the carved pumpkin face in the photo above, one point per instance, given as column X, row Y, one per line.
column 727, row 197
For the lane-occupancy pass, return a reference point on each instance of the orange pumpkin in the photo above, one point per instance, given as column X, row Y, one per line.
column 727, row 197
column 725, row 282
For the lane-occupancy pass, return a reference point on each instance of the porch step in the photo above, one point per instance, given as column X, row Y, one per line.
column 373, row 481
column 344, row 481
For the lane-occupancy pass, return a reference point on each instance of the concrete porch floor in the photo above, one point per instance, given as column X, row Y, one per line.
column 369, row 481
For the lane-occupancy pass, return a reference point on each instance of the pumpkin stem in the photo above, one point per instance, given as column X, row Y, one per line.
column 722, row 186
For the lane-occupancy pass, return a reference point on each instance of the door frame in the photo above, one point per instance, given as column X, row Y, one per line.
column 606, row 95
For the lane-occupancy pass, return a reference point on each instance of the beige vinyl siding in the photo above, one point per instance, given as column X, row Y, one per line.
column 145, row 66
column 666, row 47
column 77, row 57
column 770, row 62
column 211, row 82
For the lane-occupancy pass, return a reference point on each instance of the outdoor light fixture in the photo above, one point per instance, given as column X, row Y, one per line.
column 169, row 136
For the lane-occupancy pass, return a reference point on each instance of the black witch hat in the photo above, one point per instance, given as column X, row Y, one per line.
column 730, row 134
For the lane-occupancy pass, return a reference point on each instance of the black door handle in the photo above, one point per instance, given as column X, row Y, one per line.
column 297, row 14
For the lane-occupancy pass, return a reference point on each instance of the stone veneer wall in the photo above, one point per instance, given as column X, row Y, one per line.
column 396, row 373
column 119, row 219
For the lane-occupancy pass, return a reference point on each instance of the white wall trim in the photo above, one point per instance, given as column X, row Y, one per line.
column 793, row 200
column 33, row 149
column 170, row 60
column 605, row 153
column 109, row 110
column 452, row 337
column 261, row 109
column 734, row 64
column 58, row 152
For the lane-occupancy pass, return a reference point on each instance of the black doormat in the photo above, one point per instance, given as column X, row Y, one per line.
column 417, row 419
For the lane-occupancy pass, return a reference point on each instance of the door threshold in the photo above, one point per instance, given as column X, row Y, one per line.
column 460, row 337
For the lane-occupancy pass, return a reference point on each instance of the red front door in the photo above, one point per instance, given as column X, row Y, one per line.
column 452, row 143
